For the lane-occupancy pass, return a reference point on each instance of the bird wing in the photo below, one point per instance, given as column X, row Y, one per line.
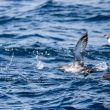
column 80, row 49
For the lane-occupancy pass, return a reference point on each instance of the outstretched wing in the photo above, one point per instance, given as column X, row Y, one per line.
column 80, row 49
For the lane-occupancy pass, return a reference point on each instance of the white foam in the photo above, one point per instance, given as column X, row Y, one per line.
column 40, row 64
column 102, row 66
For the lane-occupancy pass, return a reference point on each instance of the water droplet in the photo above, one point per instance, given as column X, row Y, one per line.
column 102, row 66
column 40, row 64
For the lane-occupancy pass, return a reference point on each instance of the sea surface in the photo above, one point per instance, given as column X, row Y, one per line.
column 37, row 36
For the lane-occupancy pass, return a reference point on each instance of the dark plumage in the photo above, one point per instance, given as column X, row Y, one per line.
column 78, row 65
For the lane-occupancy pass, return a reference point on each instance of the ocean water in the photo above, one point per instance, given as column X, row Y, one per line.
column 36, row 36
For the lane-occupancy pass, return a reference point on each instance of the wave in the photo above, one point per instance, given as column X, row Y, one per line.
column 99, row 18
column 6, row 35
column 7, row 19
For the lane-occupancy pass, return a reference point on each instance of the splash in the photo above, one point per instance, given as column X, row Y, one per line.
column 8, row 65
column 40, row 64
column 102, row 66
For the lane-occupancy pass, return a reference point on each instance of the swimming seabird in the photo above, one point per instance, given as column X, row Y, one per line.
column 78, row 65
column 106, row 77
column 107, row 36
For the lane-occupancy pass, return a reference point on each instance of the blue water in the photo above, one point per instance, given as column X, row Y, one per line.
column 36, row 36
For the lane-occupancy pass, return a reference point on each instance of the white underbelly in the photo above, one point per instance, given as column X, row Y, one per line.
column 109, row 40
column 71, row 68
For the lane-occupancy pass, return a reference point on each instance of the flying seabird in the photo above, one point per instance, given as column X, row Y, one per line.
column 78, row 65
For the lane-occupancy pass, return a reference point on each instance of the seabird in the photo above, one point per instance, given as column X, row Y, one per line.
column 78, row 65
column 107, row 36
column 106, row 77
